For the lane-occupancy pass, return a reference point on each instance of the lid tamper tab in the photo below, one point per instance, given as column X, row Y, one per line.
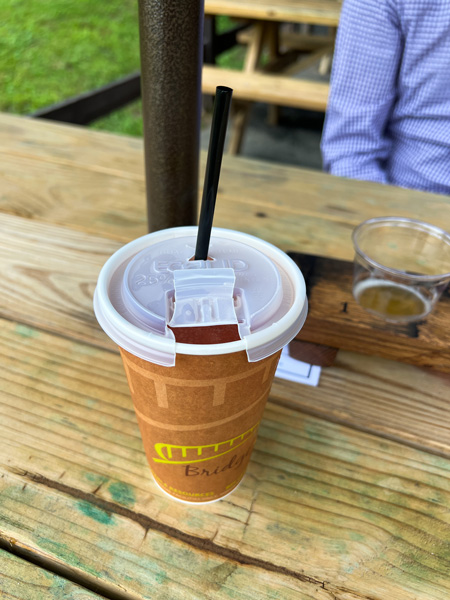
column 204, row 297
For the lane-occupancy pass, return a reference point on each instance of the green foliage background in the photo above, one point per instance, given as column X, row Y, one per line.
column 51, row 50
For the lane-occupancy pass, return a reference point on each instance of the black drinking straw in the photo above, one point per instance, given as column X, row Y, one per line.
column 216, row 142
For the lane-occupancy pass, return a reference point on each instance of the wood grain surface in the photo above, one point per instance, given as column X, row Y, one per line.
column 70, row 145
column 20, row 580
column 337, row 320
column 93, row 181
column 317, row 12
column 387, row 398
column 348, row 491
column 324, row 512
column 51, row 289
column 272, row 89
column 49, row 274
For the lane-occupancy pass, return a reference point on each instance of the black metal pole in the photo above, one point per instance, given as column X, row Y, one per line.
column 171, row 37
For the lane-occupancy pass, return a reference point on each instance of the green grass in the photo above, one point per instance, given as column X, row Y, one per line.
column 51, row 50
column 126, row 120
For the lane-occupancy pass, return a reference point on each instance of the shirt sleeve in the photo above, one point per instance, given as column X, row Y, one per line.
column 355, row 141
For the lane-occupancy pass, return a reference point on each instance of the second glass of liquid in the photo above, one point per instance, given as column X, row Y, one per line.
column 401, row 267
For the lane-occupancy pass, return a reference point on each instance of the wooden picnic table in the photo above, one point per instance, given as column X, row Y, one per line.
column 314, row 12
column 272, row 80
column 348, row 490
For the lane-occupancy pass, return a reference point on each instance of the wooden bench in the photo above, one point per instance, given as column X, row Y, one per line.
column 272, row 81
column 294, row 40
column 271, row 88
column 296, row 51
column 270, row 33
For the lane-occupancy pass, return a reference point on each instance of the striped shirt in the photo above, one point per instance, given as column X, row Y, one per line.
column 388, row 117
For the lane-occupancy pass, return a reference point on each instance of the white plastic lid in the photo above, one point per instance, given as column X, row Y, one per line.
column 153, row 282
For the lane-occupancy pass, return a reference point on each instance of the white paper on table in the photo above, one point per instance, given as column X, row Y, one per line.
column 295, row 370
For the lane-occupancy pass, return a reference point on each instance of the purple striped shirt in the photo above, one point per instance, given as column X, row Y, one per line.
column 388, row 117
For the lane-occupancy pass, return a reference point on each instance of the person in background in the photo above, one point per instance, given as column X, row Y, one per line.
column 388, row 116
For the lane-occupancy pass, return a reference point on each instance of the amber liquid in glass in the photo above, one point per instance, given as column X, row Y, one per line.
column 390, row 300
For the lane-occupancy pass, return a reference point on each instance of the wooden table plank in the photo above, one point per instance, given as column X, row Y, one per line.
column 389, row 399
column 49, row 275
column 125, row 556
column 318, row 12
column 307, row 211
column 295, row 209
column 21, row 580
column 72, row 196
column 70, row 145
column 55, row 298
column 321, row 506
column 276, row 89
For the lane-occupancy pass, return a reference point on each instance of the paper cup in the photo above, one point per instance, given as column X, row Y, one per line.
column 199, row 420
column 199, row 417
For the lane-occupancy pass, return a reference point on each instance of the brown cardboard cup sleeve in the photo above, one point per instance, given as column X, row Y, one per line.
column 199, row 419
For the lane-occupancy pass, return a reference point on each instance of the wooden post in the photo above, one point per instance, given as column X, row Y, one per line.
column 171, row 38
